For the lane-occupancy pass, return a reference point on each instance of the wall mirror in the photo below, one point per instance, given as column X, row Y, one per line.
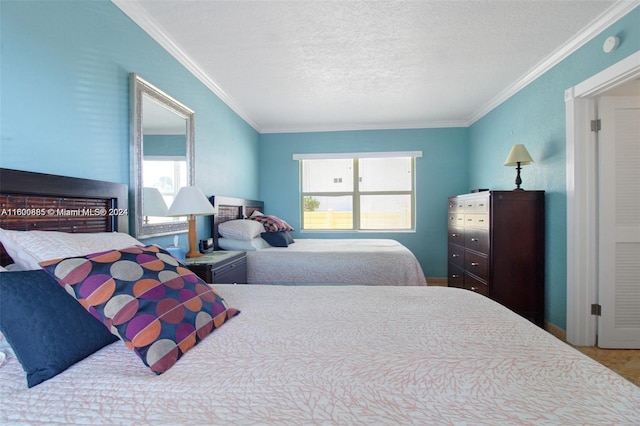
column 162, row 155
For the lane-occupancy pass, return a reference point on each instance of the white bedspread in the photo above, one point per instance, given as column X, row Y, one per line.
column 351, row 261
column 340, row 355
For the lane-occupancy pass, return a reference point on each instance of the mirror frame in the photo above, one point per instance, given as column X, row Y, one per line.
column 138, row 89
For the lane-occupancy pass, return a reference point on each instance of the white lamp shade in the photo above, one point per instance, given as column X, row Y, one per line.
column 518, row 154
column 152, row 202
column 191, row 201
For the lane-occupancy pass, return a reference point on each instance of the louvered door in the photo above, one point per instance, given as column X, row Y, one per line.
column 619, row 222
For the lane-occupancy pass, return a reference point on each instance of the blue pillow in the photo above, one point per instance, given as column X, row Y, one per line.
column 47, row 328
column 278, row 239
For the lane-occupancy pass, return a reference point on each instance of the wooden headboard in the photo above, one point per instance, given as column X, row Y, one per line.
column 230, row 208
column 44, row 202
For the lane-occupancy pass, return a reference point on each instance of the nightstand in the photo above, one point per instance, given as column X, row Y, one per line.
column 220, row 267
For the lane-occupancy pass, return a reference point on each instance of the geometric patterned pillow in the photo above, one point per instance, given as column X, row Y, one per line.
column 143, row 295
column 272, row 223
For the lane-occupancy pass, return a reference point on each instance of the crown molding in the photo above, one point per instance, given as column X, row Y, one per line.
column 141, row 17
column 358, row 126
column 602, row 22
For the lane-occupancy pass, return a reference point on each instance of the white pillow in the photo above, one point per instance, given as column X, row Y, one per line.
column 28, row 248
column 2, row 269
column 240, row 229
column 253, row 245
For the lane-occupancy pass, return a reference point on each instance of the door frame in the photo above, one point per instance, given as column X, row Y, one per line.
column 582, row 196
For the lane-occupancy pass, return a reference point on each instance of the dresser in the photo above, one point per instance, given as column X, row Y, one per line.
column 496, row 248
column 220, row 267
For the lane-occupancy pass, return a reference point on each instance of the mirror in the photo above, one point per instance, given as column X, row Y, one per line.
column 162, row 141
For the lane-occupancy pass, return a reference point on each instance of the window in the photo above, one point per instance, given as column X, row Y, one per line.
column 367, row 191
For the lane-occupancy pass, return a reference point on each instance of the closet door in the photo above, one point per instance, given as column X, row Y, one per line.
column 619, row 222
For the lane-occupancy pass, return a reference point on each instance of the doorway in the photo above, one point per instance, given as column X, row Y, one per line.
column 582, row 197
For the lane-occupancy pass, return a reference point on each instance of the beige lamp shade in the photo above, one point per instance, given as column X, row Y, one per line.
column 191, row 201
column 518, row 154
column 152, row 202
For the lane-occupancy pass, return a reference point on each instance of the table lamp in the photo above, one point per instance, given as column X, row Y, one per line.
column 518, row 156
column 191, row 202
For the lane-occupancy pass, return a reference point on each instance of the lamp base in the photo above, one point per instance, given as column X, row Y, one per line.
column 193, row 251
column 518, row 179
column 194, row 254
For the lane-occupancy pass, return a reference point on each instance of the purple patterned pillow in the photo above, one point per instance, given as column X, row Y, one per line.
column 272, row 223
column 143, row 295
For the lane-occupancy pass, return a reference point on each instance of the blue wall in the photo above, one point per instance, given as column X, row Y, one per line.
column 65, row 98
column 442, row 171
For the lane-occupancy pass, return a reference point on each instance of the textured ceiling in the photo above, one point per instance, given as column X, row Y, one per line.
column 333, row 65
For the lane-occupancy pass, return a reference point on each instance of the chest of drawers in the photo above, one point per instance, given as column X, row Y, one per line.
column 496, row 248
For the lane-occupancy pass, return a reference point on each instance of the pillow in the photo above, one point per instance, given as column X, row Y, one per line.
column 159, row 308
column 240, row 229
column 47, row 329
column 28, row 248
column 272, row 223
column 2, row 269
column 278, row 239
column 253, row 245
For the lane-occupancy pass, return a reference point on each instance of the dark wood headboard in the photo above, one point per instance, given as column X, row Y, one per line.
column 230, row 208
column 45, row 202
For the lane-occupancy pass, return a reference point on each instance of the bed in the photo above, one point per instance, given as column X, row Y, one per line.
column 349, row 354
column 311, row 261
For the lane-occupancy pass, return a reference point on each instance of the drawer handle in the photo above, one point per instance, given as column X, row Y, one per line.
column 480, row 220
column 454, row 235
column 474, row 264
column 455, row 276
column 474, row 240
column 474, row 289
column 455, row 255
column 469, row 205
column 469, row 220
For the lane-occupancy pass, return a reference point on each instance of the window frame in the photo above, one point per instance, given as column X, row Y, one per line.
column 355, row 193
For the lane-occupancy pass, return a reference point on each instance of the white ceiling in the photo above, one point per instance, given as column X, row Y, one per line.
column 288, row 66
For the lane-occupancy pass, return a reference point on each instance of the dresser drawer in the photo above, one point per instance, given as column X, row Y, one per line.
column 456, row 236
column 455, row 205
column 234, row 272
column 474, row 284
column 456, row 276
column 456, row 219
column 476, row 264
column 477, row 240
column 480, row 205
column 456, row 255
column 476, row 220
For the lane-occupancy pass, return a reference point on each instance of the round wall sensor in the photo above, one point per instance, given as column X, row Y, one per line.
column 611, row 44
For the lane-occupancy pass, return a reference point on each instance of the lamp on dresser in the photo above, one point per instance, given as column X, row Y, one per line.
column 191, row 202
column 518, row 156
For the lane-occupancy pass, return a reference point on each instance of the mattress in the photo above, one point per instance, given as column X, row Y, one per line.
column 352, row 261
column 340, row 355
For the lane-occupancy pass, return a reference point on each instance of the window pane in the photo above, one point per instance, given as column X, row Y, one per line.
column 385, row 212
column 327, row 175
column 322, row 212
column 385, row 174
